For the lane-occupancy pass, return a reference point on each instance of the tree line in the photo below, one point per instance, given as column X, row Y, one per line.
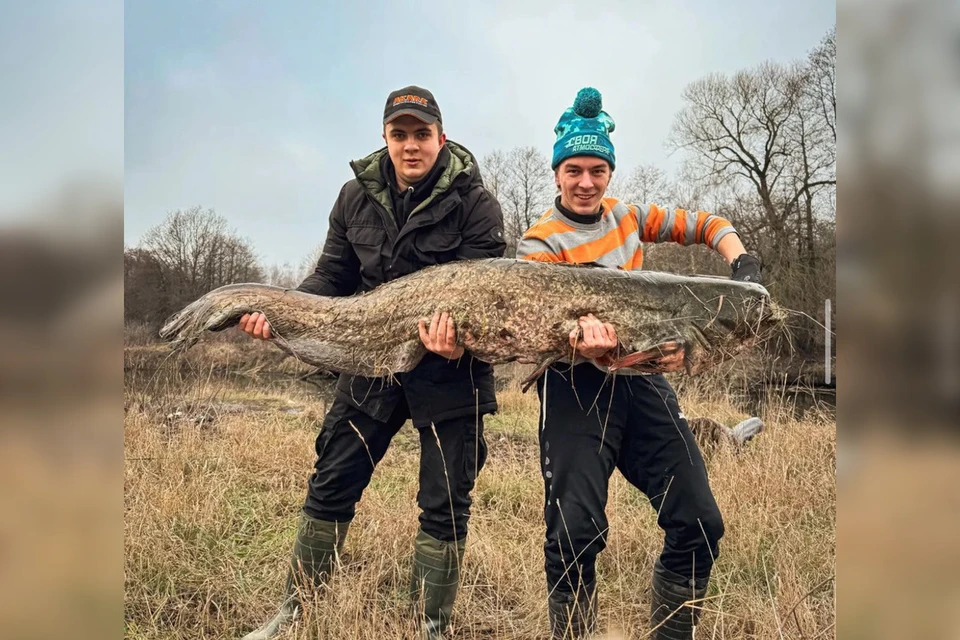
column 758, row 147
column 188, row 254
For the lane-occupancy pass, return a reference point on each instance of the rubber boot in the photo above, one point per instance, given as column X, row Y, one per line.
column 315, row 551
column 436, row 576
column 573, row 615
column 671, row 594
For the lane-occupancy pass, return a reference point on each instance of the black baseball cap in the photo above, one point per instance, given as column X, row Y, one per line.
column 412, row 101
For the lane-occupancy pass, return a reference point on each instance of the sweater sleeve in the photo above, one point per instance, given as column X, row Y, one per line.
column 681, row 226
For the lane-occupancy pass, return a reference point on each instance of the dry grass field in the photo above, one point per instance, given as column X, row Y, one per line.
column 216, row 468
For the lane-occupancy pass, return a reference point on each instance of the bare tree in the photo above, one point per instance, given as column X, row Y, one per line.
column 617, row 187
column 744, row 129
column 522, row 182
column 814, row 135
column 647, row 184
column 182, row 245
column 495, row 172
column 283, row 276
column 822, row 64
column 762, row 146
column 194, row 251
column 810, row 137
column 309, row 262
column 144, row 296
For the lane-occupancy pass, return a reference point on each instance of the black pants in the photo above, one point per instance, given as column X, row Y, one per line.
column 351, row 443
column 591, row 423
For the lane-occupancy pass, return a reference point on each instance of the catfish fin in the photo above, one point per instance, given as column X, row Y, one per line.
column 651, row 360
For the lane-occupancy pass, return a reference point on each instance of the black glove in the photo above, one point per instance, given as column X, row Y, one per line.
column 746, row 268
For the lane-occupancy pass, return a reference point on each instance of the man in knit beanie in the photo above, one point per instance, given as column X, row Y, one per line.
column 593, row 420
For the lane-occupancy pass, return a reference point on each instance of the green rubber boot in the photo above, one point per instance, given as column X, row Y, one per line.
column 436, row 576
column 315, row 551
column 671, row 617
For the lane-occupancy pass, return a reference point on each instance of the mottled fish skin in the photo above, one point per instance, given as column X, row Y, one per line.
column 515, row 310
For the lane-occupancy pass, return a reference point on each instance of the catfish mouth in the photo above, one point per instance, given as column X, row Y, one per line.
column 763, row 321
column 726, row 336
column 173, row 325
column 765, row 316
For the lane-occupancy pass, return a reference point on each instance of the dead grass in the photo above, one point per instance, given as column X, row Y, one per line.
column 211, row 507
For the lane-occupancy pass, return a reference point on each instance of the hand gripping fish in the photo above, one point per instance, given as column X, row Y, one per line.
column 513, row 310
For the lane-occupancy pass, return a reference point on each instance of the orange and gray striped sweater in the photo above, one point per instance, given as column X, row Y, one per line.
column 616, row 240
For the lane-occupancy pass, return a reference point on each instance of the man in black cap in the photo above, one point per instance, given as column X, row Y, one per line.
column 417, row 202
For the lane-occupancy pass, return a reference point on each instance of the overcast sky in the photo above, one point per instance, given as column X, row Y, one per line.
column 255, row 108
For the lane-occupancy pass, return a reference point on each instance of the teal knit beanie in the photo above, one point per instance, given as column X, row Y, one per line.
column 584, row 130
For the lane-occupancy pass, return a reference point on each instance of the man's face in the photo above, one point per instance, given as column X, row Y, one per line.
column 582, row 180
column 413, row 146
